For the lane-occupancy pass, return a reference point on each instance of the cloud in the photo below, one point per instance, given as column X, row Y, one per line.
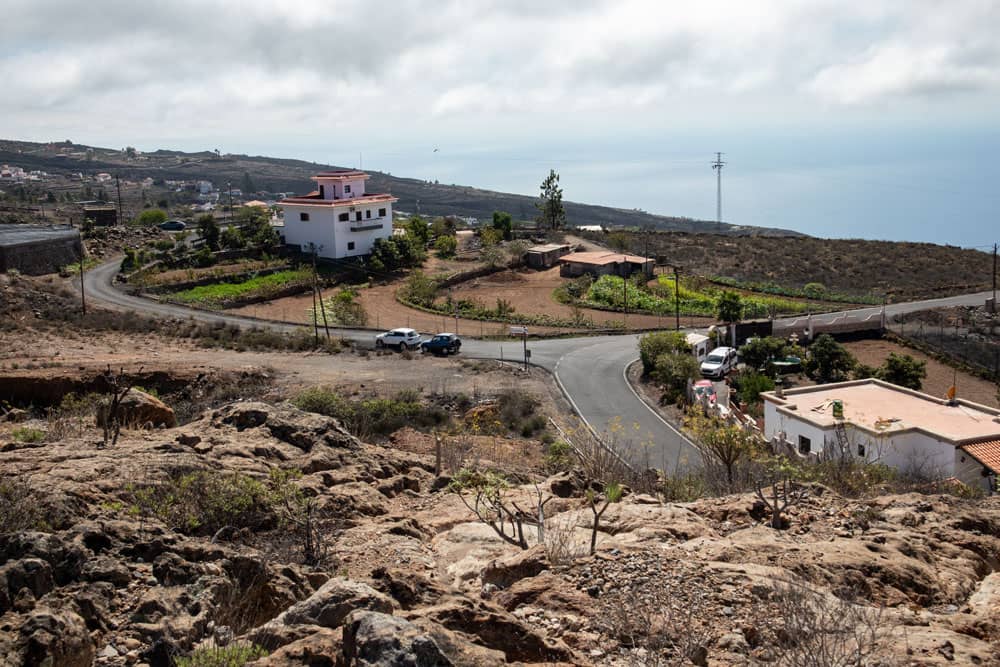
column 193, row 67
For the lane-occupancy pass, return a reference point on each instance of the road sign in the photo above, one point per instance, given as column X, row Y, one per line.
column 518, row 331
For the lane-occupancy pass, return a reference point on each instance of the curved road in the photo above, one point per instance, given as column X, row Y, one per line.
column 590, row 371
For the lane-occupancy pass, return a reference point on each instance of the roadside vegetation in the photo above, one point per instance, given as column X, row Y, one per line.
column 698, row 297
column 222, row 295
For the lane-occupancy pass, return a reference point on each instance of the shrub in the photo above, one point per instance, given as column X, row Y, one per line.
column 20, row 507
column 672, row 372
column 517, row 412
column 202, row 502
column 151, row 217
column 234, row 655
column 27, row 435
column 419, row 289
column 372, row 416
column 903, row 370
column 828, row 360
column 558, row 456
column 446, row 246
column 749, row 385
column 814, row 290
column 652, row 345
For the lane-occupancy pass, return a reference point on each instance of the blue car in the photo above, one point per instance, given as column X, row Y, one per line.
column 442, row 344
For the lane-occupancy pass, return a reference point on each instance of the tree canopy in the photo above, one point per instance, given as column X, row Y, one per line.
column 551, row 213
column 503, row 223
column 729, row 307
column 904, row 370
column 828, row 360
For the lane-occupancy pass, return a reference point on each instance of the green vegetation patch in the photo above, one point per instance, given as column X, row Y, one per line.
column 219, row 295
column 697, row 297
column 372, row 416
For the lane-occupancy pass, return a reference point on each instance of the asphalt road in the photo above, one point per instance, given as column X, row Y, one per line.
column 589, row 370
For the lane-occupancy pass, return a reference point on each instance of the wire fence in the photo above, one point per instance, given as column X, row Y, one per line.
column 975, row 346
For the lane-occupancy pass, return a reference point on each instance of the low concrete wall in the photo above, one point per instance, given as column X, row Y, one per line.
column 41, row 257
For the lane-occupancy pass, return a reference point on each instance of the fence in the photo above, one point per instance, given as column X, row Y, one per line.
column 978, row 349
column 809, row 326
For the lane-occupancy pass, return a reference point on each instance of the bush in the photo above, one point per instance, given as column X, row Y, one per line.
column 749, row 385
column 419, row 289
column 517, row 412
column 903, row 370
column 672, row 372
column 446, row 246
column 828, row 360
column 151, row 217
column 558, row 457
column 652, row 345
column 234, row 655
column 372, row 416
column 27, row 435
column 203, row 501
column 20, row 506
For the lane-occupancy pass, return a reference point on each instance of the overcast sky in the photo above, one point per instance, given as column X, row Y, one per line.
column 329, row 79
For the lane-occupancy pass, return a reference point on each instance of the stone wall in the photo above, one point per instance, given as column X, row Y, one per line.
column 40, row 257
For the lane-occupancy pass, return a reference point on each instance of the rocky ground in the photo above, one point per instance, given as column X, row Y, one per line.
column 402, row 574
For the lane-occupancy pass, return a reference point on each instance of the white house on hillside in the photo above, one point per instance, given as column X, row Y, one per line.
column 877, row 421
column 339, row 219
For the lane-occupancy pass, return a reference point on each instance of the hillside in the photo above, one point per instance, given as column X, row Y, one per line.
column 283, row 175
column 896, row 269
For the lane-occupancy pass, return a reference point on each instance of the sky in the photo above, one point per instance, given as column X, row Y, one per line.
column 875, row 119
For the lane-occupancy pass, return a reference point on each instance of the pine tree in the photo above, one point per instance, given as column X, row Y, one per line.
column 551, row 213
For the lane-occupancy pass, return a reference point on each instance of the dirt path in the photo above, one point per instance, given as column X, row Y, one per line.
column 939, row 376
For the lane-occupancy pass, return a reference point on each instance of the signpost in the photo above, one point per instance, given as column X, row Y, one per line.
column 523, row 333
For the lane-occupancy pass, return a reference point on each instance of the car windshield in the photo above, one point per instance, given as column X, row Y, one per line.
column 715, row 358
column 441, row 339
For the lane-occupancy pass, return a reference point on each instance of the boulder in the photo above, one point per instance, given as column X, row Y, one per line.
column 31, row 574
column 288, row 424
column 65, row 557
column 138, row 408
column 56, row 638
column 328, row 607
column 502, row 572
column 373, row 639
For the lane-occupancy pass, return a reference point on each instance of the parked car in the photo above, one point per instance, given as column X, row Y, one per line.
column 442, row 344
column 705, row 388
column 719, row 362
column 173, row 226
column 403, row 339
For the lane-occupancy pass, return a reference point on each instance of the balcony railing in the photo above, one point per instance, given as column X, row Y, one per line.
column 366, row 225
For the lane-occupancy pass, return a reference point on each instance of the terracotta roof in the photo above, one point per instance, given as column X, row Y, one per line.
column 601, row 258
column 987, row 453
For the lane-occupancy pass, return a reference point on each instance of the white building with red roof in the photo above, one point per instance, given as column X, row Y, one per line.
column 338, row 219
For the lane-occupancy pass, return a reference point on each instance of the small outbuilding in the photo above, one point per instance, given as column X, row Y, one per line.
column 38, row 249
column 545, row 256
column 604, row 263
column 102, row 214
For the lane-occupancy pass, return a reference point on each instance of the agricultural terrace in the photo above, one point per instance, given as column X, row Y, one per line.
column 221, row 295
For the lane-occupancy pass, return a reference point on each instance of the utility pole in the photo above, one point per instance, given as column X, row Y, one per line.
column 717, row 166
column 83, row 294
column 624, row 298
column 229, row 186
column 677, row 299
column 118, row 186
column 994, row 277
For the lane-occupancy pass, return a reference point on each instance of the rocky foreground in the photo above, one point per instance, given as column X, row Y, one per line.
column 402, row 574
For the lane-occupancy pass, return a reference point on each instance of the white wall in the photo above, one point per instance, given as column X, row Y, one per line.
column 970, row 471
column 334, row 187
column 330, row 235
column 912, row 451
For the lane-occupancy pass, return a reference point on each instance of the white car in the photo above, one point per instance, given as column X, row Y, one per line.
column 719, row 362
column 404, row 339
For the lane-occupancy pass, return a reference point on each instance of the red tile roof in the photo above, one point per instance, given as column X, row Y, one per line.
column 600, row 258
column 987, row 453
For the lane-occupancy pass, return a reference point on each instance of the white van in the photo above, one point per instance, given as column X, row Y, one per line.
column 699, row 345
column 719, row 362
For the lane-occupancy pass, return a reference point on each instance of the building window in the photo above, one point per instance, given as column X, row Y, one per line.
column 304, row 217
column 805, row 445
column 347, row 189
column 368, row 213
column 344, row 217
column 381, row 213
column 350, row 245
column 322, row 191
column 861, row 449
column 357, row 216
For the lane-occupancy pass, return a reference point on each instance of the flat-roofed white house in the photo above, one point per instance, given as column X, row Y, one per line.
column 883, row 422
column 339, row 219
